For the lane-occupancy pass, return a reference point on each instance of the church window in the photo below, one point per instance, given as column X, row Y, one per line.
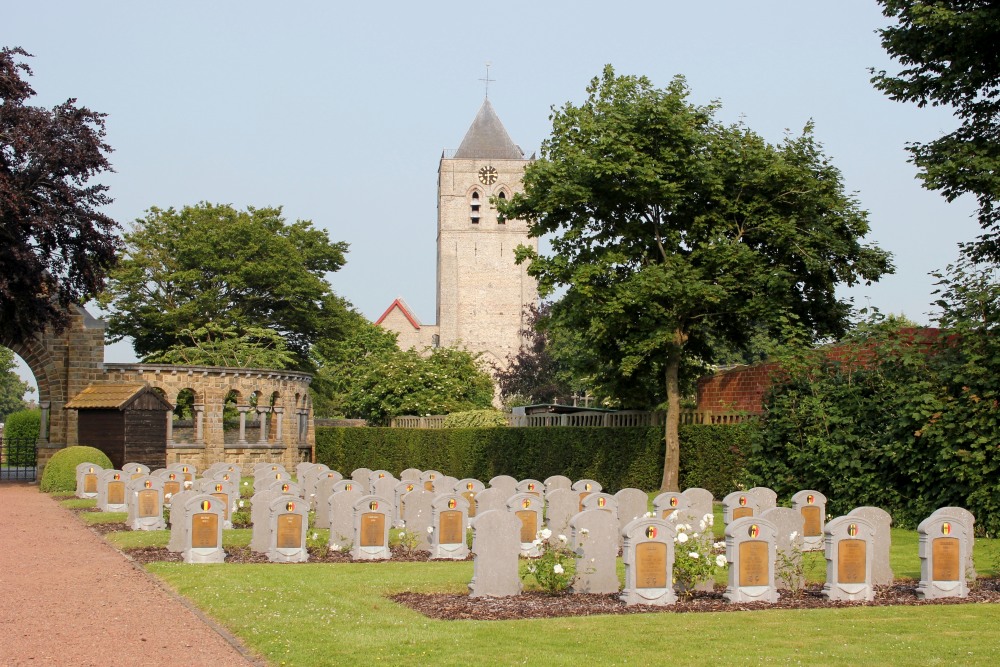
column 502, row 196
column 474, row 212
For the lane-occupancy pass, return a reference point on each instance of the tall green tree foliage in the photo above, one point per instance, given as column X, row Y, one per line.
column 671, row 230
column 366, row 376
column 199, row 281
column 948, row 50
column 12, row 388
column 55, row 244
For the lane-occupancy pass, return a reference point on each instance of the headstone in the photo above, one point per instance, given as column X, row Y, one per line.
column 583, row 488
column 444, row 484
column 410, row 475
column 228, row 494
column 449, row 517
column 145, row 503
column 324, row 487
column 111, row 491
column 944, row 555
column 201, row 527
column 491, row 498
column 648, row 554
column 225, row 476
column 363, row 477
column 86, row 480
column 881, row 520
column 738, row 505
column 528, row 509
column 561, row 506
column 286, row 487
column 429, row 479
column 188, row 470
column 812, row 505
column 287, row 523
column 750, row 549
column 179, row 521
column 496, row 546
column 789, row 544
column 632, row 504
column 532, row 486
column 557, row 482
column 303, row 468
column 418, row 514
column 267, row 479
column 506, row 483
column 135, row 470
column 849, row 544
column 263, row 468
column 594, row 535
column 173, row 483
column 310, row 480
column 340, row 512
column 699, row 501
column 766, row 498
column 384, row 487
column 376, row 475
column 260, row 505
column 668, row 502
column 372, row 517
column 969, row 520
column 468, row 488
column 399, row 491
column 601, row 501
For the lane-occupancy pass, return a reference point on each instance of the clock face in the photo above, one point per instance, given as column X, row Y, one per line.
column 487, row 175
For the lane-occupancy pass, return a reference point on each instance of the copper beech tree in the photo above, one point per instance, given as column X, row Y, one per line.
column 55, row 243
column 672, row 233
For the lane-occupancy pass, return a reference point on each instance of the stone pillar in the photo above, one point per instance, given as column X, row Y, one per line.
column 278, row 417
column 170, row 428
column 243, row 409
column 262, row 416
column 199, row 423
column 43, row 431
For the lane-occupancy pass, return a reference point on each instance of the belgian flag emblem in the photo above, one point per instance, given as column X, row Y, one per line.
column 754, row 531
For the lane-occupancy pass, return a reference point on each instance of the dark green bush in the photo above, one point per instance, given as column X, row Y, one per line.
column 59, row 475
column 616, row 457
column 22, row 428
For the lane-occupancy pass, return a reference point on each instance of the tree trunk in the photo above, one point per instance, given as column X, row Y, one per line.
column 672, row 457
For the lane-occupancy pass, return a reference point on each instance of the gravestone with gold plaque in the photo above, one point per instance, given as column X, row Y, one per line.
column 267, row 479
column 468, row 488
column 968, row 519
column 849, row 545
column 648, row 554
column 265, row 467
column 528, row 509
column 226, row 491
column 187, row 470
column 145, row 503
column 377, row 475
column 668, row 502
column 288, row 521
column 739, row 505
column 605, row 502
column 202, row 529
column 593, row 537
column 340, row 512
column 135, row 470
column 372, row 517
column 111, row 491
column 750, row 549
column 287, row 488
column 400, row 490
column 812, row 506
column 86, row 480
column 532, row 486
column 173, row 483
column 449, row 517
column 585, row 487
column 943, row 549
column 430, row 480
column 882, row 574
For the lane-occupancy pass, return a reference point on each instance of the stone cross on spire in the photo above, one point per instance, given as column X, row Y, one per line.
column 487, row 80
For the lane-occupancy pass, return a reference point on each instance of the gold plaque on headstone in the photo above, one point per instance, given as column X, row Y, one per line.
column 451, row 528
column 582, row 496
column 205, row 531
column 224, row 497
column 753, row 563
column 740, row 512
column 289, row 531
column 173, row 488
column 137, row 475
column 852, row 557
column 529, row 525
column 428, row 485
column 90, row 483
column 651, row 565
column 945, row 559
column 149, row 503
column 471, row 497
column 811, row 515
column 373, row 529
column 116, row 493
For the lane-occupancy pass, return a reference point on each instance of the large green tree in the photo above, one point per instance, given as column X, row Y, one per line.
column 671, row 230
column 201, row 282
column 12, row 387
column 55, row 243
column 948, row 50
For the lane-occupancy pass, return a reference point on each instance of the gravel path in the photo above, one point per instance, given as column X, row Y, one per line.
column 68, row 598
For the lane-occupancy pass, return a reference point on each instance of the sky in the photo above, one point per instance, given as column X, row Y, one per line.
column 339, row 112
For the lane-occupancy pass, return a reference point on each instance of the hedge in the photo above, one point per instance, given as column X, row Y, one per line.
column 22, row 427
column 711, row 456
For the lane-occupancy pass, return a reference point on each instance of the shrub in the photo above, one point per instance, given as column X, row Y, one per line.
column 476, row 419
column 59, row 475
column 22, row 427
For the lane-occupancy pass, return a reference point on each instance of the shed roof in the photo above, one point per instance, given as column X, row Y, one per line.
column 112, row 396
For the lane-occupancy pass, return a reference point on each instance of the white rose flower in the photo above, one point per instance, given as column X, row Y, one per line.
column 648, row 515
column 537, row 541
column 563, row 539
column 709, row 519
column 557, row 568
column 168, row 496
column 794, row 534
column 430, row 529
column 240, row 503
column 702, row 525
column 721, row 561
column 682, row 537
column 672, row 516
column 315, row 536
column 693, row 554
column 584, row 531
column 719, row 545
column 681, row 528
column 695, row 536
column 246, row 483
column 545, row 533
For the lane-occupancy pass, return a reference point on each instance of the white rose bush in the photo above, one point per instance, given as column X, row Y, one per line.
column 555, row 568
column 696, row 555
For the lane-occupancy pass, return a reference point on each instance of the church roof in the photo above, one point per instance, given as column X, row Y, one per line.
column 400, row 305
column 487, row 138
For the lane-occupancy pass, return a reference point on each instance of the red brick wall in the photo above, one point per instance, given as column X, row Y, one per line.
column 739, row 389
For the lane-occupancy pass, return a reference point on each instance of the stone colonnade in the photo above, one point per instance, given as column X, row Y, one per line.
column 278, row 399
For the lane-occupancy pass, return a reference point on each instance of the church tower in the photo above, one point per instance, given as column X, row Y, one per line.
column 481, row 292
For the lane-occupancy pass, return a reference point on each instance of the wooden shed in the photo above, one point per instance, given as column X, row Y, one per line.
column 128, row 422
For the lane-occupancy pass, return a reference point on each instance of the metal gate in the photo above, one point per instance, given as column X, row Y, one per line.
column 18, row 459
